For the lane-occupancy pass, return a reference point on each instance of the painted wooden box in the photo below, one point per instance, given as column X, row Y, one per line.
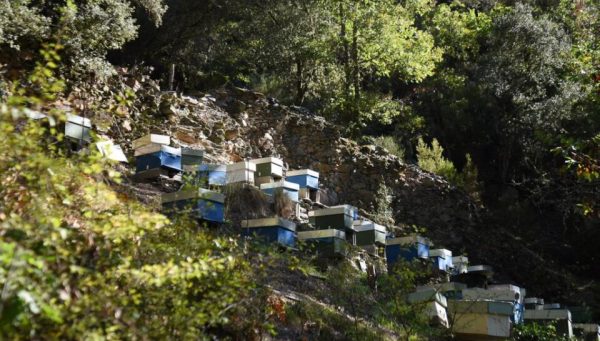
column 432, row 303
column 305, row 178
column 336, row 217
column 78, row 128
column 111, row 151
column 268, row 167
column 191, row 159
column 212, row 175
column 167, row 157
column 461, row 264
column 561, row 317
column 204, row 204
column 442, row 259
column 271, row 230
column 365, row 232
column 481, row 327
column 289, row 188
column 587, row 331
column 533, row 303
column 151, row 139
column 407, row 248
column 241, row 172
column 328, row 243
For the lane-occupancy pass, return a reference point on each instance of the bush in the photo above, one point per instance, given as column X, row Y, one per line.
column 391, row 145
column 432, row 160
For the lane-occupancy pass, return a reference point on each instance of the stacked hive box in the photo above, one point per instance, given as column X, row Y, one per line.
column 308, row 181
column 268, row 170
column 369, row 236
column 241, row 172
column 408, row 248
column 502, row 293
column 154, row 157
column 442, row 260
column 328, row 243
column 434, row 305
column 271, row 230
column 191, row 159
column 481, row 320
column 202, row 203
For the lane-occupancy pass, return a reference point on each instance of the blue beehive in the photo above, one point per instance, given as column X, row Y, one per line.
column 289, row 188
column 271, row 230
column 167, row 157
column 204, row 204
column 407, row 248
column 305, row 178
column 212, row 175
column 442, row 259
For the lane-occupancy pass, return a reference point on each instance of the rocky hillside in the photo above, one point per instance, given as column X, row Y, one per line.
column 233, row 124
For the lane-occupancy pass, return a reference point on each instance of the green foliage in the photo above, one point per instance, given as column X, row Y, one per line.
column 88, row 30
column 80, row 261
column 431, row 159
column 390, row 144
column 536, row 332
column 384, row 213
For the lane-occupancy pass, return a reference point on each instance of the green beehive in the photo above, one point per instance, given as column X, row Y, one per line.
column 337, row 217
column 191, row 159
column 327, row 243
column 368, row 233
column 268, row 167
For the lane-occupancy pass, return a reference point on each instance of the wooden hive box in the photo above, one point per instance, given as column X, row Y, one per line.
column 271, row 230
column 336, row 217
column 442, row 259
column 461, row 264
column 167, row 157
column 408, row 248
column 268, row 167
column 328, row 243
column 481, row 320
column 289, row 188
column 305, row 178
column 241, row 172
column 151, row 140
column 204, row 204
column 365, row 233
column 191, row 159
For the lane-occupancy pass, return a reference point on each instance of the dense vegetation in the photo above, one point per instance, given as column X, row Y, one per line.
column 500, row 97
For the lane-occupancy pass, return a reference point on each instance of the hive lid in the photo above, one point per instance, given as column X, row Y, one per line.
column 192, row 151
column 587, row 327
column 407, row 240
column 82, row 121
column 151, row 138
column 341, row 209
column 193, row 194
column 281, row 184
column 269, row 222
column 298, row 172
column 273, row 160
column 480, row 268
column 440, row 253
column 443, row 287
column 244, row 165
column 319, row 234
